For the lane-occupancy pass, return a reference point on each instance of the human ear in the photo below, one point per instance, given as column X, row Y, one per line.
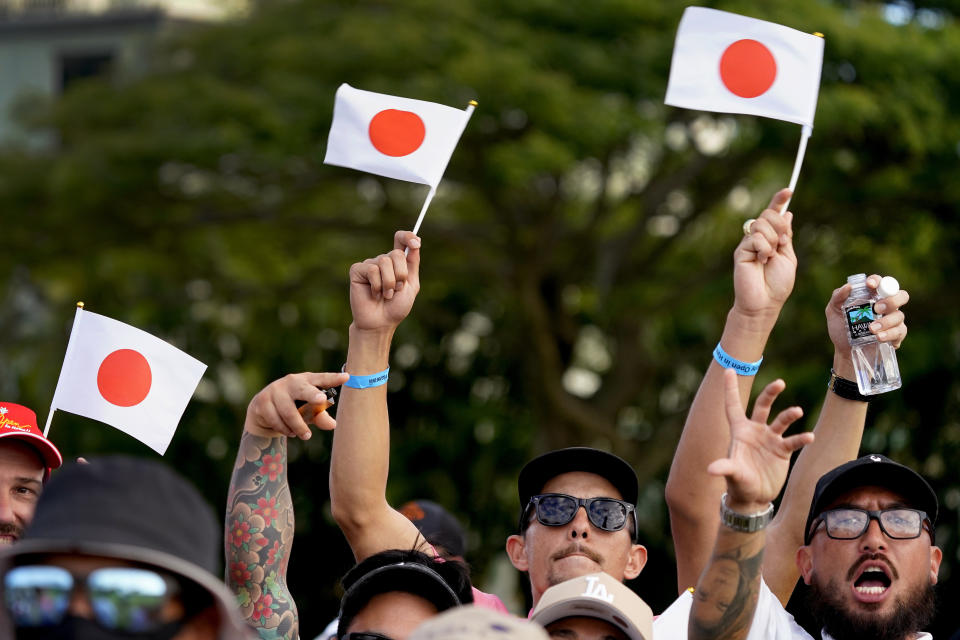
column 636, row 560
column 936, row 555
column 517, row 552
column 804, row 562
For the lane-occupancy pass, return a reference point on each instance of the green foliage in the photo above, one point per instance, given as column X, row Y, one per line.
column 582, row 225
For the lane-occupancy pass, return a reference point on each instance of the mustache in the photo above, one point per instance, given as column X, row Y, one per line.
column 575, row 547
column 10, row 529
column 867, row 557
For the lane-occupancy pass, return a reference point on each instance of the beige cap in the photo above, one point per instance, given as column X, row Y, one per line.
column 475, row 623
column 599, row 596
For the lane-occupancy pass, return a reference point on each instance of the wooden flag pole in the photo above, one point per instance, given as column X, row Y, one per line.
column 804, row 137
column 76, row 319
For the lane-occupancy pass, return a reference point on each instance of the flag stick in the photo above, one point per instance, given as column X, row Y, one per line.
column 423, row 211
column 805, row 135
column 433, row 189
column 76, row 321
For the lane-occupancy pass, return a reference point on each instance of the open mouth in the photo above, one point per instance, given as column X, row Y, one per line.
column 872, row 581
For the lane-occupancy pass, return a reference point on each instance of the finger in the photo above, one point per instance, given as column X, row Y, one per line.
column 798, row 441
column 873, row 281
column 731, row 391
column 399, row 267
column 764, row 402
column 325, row 421
column 762, row 248
column 267, row 417
column 403, row 240
column 325, row 380
column 837, row 299
column 82, row 460
column 887, row 322
column 779, row 199
column 291, row 418
column 894, row 336
column 371, row 275
column 785, row 418
column 387, row 275
column 892, row 303
column 786, row 238
column 765, row 229
column 724, row 467
column 779, row 224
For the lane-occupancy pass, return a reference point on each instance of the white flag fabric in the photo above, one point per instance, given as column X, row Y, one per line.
column 127, row 378
column 395, row 137
column 733, row 64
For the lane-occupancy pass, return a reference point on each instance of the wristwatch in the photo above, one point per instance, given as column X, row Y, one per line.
column 846, row 389
column 743, row 522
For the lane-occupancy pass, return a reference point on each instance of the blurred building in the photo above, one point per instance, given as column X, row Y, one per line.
column 47, row 45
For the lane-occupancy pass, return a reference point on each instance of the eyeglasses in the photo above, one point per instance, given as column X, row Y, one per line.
column 126, row 599
column 849, row 523
column 366, row 635
column 557, row 509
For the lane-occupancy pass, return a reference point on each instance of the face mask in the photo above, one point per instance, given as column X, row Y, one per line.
column 73, row 628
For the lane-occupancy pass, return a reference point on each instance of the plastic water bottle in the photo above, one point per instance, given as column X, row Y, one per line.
column 875, row 362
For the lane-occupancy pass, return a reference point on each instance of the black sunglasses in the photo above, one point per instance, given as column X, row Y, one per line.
column 849, row 523
column 125, row 599
column 366, row 635
column 558, row 509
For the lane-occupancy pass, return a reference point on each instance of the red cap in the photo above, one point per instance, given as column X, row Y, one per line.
column 17, row 421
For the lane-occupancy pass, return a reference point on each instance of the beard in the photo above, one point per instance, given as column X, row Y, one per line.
column 909, row 616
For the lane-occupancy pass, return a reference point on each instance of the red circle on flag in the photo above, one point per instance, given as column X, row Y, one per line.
column 397, row 133
column 124, row 378
column 747, row 68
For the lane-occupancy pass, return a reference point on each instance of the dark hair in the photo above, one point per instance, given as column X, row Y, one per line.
column 444, row 584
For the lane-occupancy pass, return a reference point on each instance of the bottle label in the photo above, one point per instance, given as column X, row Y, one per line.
column 859, row 319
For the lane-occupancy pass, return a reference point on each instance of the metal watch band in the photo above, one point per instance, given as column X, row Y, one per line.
column 846, row 389
column 743, row 522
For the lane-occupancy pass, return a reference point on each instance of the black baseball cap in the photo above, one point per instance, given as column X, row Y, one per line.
column 437, row 525
column 541, row 469
column 443, row 584
column 872, row 470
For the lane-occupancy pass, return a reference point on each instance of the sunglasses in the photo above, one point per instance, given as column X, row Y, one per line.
column 850, row 523
column 558, row 509
column 366, row 635
column 124, row 599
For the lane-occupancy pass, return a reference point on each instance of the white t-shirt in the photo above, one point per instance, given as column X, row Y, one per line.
column 770, row 620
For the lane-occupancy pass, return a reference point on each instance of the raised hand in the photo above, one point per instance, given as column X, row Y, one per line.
column 890, row 328
column 759, row 457
column 273, row 412
column 382, row 289
column 764, row 263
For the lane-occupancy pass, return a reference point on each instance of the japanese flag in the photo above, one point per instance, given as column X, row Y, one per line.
column 395, row 137
column 734, row 64
column 123, row 376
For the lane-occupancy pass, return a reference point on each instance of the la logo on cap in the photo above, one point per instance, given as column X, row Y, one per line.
column 596, row 589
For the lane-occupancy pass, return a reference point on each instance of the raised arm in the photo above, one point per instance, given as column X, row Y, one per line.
column 259, row 518
column 382, row 292
column 839, row 430
column 725, row 600
column 763, row 275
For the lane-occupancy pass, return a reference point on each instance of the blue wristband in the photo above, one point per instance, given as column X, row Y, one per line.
column 366, row 382
column 728, row 362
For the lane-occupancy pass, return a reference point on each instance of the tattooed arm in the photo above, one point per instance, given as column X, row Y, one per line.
column 755, row 469
column 259, row 518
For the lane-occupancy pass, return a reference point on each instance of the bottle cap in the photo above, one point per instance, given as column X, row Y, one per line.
column 888, row 287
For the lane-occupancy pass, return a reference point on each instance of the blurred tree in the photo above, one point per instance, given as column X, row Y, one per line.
column 576, row 260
